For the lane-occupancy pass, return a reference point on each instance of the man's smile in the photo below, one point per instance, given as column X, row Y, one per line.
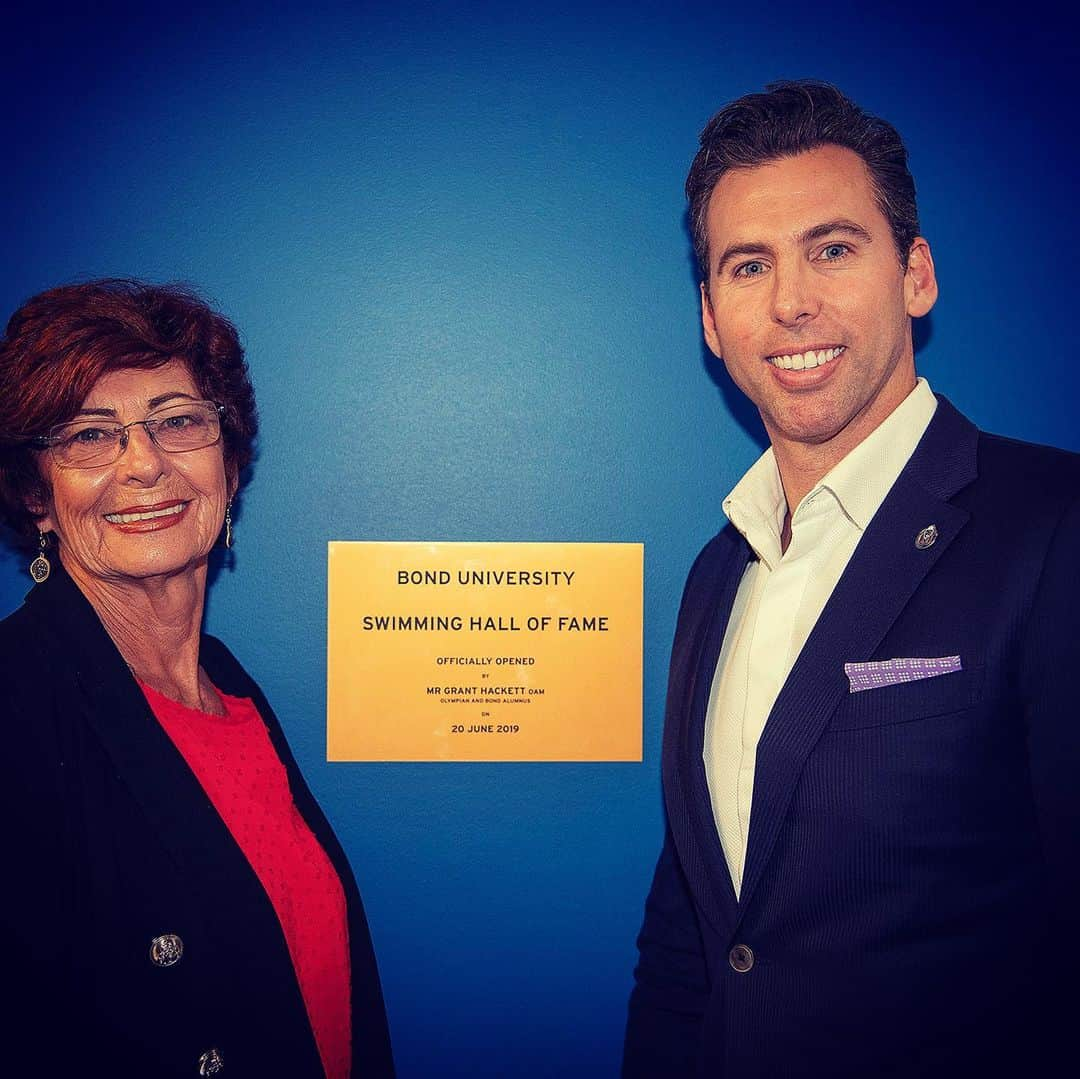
column 808, row 358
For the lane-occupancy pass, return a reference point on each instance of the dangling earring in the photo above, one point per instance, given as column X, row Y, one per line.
column 40, row 567
column 228, row 525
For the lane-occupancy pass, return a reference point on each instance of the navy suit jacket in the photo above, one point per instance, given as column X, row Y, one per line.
column 111, row 841
column 911, row 896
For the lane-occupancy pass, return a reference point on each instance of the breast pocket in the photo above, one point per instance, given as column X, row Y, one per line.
column 906, row 702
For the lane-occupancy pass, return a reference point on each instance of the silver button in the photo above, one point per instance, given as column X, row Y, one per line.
column 927, row 537
column 740, row 958
column 166, row 950
column 211, row 1063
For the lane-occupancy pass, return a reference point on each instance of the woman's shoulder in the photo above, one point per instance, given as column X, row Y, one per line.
column 20, row 644
column 31, row 718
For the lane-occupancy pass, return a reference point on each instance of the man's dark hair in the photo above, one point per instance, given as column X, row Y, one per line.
column 790, row 118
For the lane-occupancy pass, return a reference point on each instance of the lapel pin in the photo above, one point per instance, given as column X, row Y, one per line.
column 926, row 538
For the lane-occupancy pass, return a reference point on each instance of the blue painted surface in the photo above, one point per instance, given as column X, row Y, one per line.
column 453, row 240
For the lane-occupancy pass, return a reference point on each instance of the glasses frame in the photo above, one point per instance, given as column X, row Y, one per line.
column 50, row 440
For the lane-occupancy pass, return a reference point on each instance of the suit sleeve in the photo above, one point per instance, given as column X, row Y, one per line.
column 1051, row 688
column 672, row 985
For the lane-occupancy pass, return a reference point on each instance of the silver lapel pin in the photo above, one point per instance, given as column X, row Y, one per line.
column 927, row 537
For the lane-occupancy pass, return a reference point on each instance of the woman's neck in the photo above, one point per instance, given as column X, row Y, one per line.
column 156, row 622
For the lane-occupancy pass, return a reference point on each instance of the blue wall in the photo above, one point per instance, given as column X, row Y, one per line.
column 453, row 240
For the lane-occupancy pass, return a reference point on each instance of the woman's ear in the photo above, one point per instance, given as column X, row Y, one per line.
column 41, row 511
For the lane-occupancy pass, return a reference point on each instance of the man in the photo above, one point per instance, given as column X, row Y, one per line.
column 872, row 744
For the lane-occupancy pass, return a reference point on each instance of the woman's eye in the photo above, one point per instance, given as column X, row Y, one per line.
column 87, row 436
column 177, row 423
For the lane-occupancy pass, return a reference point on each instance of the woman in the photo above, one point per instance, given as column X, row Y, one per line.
column 176, row 903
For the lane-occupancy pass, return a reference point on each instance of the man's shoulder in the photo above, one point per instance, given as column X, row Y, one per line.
column 1028, row 473
column 713, row 564
column 1002, row 448
column 718, row 549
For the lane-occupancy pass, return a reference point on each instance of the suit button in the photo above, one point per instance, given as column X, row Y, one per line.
column 166, row 950
column 740, row 958
column 211, row 1063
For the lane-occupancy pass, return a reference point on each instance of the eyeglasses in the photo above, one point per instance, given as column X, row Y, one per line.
column 91, row 442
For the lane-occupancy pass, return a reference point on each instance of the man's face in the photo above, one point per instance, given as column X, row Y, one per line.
column 806, row 301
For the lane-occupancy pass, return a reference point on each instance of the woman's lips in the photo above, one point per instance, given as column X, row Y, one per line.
column 148, row 518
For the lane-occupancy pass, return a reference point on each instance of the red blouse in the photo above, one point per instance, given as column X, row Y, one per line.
column 233, row 759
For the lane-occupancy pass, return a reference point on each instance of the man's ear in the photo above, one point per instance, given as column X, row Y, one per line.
column 708, row 324
column 920, row 280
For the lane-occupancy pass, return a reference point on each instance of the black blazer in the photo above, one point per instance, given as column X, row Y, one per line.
column 911, row 901
column 111, row 842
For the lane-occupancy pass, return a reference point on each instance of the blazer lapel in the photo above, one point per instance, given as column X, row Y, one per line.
column 177, row 808
column 885, row 570
column 150, row 765
column 706, row 610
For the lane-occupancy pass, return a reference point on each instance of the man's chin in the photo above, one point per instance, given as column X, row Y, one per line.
column 800, row 428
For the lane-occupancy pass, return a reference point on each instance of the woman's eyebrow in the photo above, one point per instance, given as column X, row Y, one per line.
column 161, row 398
column 154, row 402
column 96, row 412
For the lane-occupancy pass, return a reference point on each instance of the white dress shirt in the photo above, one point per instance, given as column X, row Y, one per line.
column 782, row 594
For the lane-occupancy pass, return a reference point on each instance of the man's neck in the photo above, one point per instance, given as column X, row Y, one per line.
column 802, row 465
column 800, row 472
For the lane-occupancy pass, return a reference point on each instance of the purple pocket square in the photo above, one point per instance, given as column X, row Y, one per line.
column 888, row 672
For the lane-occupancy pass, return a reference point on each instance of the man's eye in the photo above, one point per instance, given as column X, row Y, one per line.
column 751, row 269
column 835, row 251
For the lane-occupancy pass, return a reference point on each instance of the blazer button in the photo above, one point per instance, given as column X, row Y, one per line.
column 211, row 1063
column 740, row 958
column 166, row 950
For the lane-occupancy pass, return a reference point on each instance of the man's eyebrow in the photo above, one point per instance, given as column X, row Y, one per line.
column 843, row 227
column 829, row 228
column 734, row 251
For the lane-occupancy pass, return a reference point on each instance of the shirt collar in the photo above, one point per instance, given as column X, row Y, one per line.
column 859, row 482
column 756, row 507
column 865, row 476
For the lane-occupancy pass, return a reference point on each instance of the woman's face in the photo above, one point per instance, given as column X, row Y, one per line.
column 179, row 498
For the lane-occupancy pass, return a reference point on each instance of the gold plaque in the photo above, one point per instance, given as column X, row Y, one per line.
column 484, row 652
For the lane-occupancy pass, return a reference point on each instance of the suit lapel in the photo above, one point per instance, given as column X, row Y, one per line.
column 706, row 609
column 884, row 572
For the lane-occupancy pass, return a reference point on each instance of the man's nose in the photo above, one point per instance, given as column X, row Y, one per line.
column 795, row 299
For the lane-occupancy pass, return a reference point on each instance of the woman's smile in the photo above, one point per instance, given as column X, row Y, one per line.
column 149, row 518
